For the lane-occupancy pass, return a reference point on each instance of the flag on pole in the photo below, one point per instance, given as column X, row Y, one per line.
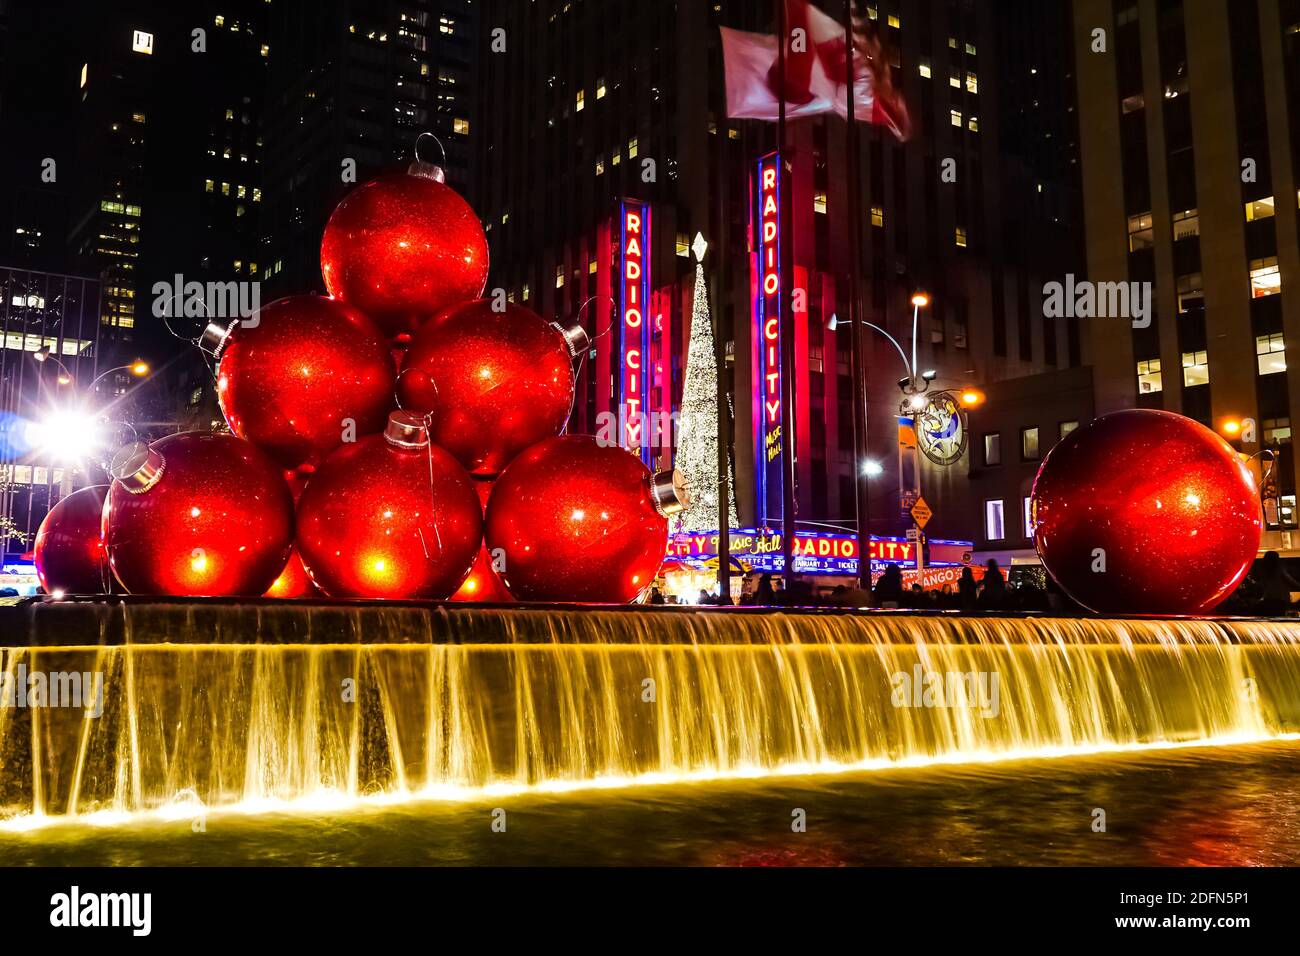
column 814, row 81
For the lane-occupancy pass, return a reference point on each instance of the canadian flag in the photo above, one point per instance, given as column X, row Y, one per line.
column 814, row 73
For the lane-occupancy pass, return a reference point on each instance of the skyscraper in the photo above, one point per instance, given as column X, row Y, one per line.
column 1190, row 184
column 353, row 85
column 594, row 110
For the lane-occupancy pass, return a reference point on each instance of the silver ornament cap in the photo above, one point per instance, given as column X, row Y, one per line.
column 406, row 430
column 575, row 336
column 214, row 336
column 669, row 493
column 426, row 170
column 137, row 466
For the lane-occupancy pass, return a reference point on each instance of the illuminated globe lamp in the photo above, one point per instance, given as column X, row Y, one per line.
column 491, row 383
column 1146, row 512
column 68, row 550
column 391, row 516
column 576, row 520
column 197, row 514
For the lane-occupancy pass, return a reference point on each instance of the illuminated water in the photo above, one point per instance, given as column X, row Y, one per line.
column 259, row 719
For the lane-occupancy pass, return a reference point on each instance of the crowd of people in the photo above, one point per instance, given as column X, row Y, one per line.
column 992, row 593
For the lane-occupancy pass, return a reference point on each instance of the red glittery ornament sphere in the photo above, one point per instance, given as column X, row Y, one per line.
column 483, row 583
column 197, row 514
column 1146, row 512
column 580, row 521
column 293, row 582
column 492, row 383
column 69, row 551
column 390, row 517
column 302, row 372
column 403, row 247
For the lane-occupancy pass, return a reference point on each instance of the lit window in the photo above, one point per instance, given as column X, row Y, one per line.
column 1286, row 511
column 142, row 42
column 208, row 185
column 1131, row 104
column 994, row 524
column 923, row 68
column 524, row 293
column 683, row 245
column 952, row 43
column 220, row 20
column 970, row 49
column 1187, row 224
column 591, row 267
column 241, row 192
column 257, row 194
column 954, row 78
column 955, row 115
column 1277, row 431
column 1265, row 279
column 266, row 50
column 1148, row 373
column 893, row 21
column 616, row 158
column 559, row 277
column 600, row 88
column 993, row 449
column 819, row 202
column 1028, row 517
column 1029, row 443
column 460, row 126
column 878, row 216
column 1196, row 369
column 1141, row 235
column 1270, row 353
column 600, row 165
column 631, row 148
column 1260, row 209
column 230, row 115
column 972, row 83
column 961, row 237
column 225, row 189
column 85, row 73
column 1067, row 428
column 1191, row 294
column 973, row 124
column 581, row 102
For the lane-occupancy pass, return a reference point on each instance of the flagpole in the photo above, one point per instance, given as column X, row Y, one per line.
column 857, row 361
column 787, row 317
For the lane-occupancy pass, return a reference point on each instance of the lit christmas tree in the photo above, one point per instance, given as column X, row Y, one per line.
column 697, row 432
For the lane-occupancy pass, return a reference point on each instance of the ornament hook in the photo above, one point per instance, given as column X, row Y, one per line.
column 423, row 167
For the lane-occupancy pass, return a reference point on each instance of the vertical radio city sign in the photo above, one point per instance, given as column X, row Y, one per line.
column 766, row 243
column 634, row 325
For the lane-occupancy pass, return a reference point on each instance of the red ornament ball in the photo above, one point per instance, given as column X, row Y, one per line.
column 69, row 551
column 293, row 377
column 197, row 514
column 580, row 521
column 483, row 584
column 403, row 247
column 1146, row 512
column 492, row 383
column 390, row 516
column 293, row 582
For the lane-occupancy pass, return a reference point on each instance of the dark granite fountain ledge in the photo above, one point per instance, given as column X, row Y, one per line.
column 118, row 619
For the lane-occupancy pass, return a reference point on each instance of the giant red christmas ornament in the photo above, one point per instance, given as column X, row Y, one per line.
column 69, row 552
column 390, row 516
column 483, row 583
column 403, row 247
column 492, row 383
column 580, row 521
column 300, row 375
column 1146, row 512
column 197, row 514
column 293, row 582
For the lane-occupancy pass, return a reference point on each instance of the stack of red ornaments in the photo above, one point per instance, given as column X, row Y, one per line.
column 441, row 475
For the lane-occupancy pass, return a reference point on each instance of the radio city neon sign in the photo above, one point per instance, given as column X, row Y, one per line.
column 770, row 271
column 633, row 291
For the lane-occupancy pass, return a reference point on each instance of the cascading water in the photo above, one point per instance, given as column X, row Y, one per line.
column 216, row 705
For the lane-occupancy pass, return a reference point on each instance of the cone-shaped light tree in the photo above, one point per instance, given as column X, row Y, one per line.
column 697, row 431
